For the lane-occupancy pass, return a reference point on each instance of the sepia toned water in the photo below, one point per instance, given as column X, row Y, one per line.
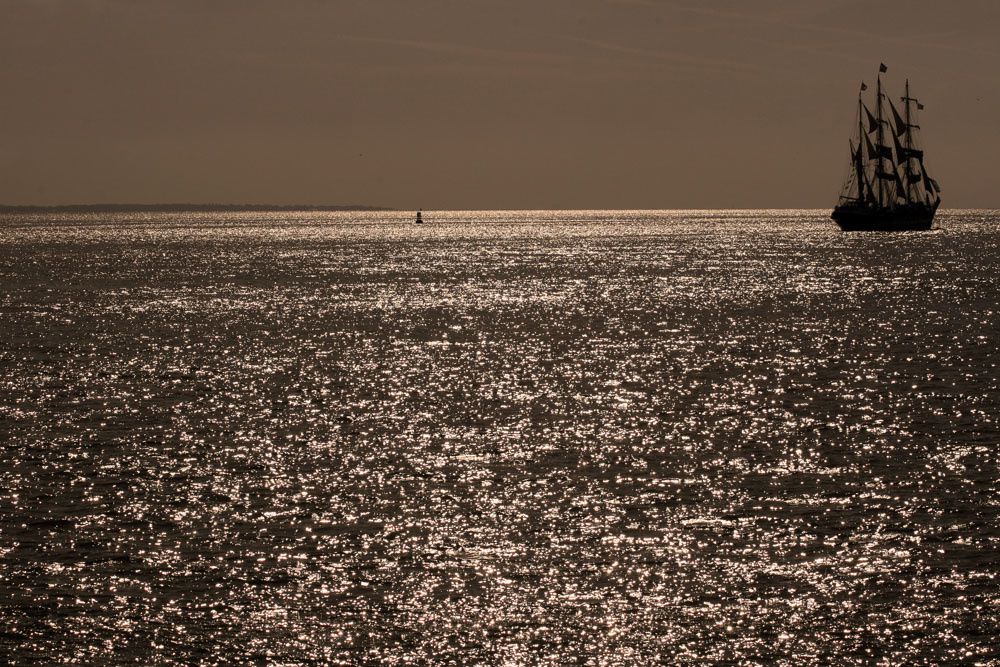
column 502, row 438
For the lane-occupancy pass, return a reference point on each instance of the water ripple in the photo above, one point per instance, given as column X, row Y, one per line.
column 541, row 437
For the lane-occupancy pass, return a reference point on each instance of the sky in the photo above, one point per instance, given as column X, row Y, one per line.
column 511, row 104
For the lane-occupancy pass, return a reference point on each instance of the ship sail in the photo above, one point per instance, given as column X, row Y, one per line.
column 873, row 123
column 887, row 186
column 900, row 124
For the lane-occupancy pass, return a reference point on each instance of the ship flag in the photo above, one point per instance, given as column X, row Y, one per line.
column 864, row 86
column 882, row 68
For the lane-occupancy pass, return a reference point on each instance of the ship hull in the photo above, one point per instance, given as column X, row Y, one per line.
column 900, row 219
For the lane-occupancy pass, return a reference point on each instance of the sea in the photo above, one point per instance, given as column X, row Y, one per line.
column 607, row 438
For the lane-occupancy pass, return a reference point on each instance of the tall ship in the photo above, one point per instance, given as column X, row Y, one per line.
column 888, row 187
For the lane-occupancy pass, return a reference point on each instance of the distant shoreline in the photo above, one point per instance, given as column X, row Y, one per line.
column 168, row 208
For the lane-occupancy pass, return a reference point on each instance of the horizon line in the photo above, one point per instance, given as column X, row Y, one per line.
column 188, row 206
column 219, row 206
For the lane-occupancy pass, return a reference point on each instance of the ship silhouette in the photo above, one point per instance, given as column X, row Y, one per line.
column 888, row 187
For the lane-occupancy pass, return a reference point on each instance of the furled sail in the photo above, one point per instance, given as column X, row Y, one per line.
column 884, row 152
column 905, row 153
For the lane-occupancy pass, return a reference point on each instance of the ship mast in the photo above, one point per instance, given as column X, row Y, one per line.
column 909, row 141
column 858, row 162
column 909, row 144
column 879, row 138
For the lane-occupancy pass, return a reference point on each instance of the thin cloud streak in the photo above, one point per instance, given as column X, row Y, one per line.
column 472, row 51
column 690, row 62
column 812, row 27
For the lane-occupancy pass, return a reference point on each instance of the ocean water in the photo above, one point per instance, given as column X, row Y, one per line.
column 499, row 438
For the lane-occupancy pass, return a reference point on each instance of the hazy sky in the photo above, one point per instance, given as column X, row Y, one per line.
column 482, row 103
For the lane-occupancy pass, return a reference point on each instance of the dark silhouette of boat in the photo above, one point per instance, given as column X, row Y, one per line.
column 420, row 219
column 888, row 187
